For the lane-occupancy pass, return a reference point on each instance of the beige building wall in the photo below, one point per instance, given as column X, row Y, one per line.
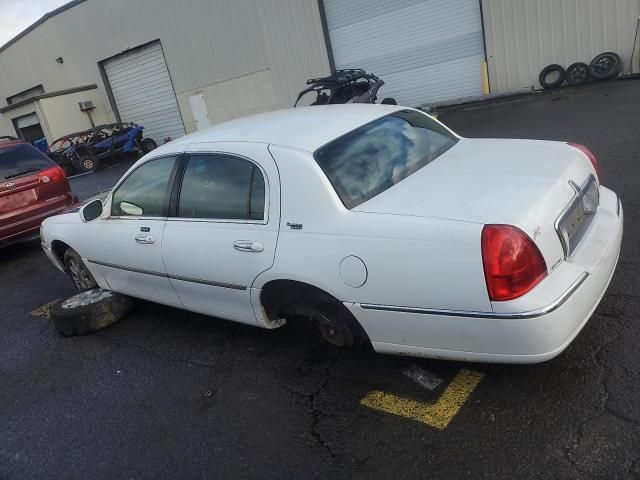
column 6, row 125
column 244, row 55
column 524, row 36
column 62, row 115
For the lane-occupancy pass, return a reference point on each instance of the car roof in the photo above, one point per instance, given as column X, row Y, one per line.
column 6, row 142
column 304, row 128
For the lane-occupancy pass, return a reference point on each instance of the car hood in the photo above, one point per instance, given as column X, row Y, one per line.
column 518, row 182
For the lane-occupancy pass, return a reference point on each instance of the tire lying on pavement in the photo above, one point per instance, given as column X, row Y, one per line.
column 89, row 311
column 605, row 66
column 577, row 73
column 547, row 71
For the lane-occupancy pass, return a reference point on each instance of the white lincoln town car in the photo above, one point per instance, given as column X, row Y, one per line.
column 373, row 222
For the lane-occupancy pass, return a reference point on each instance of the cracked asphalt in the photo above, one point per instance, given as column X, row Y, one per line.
column 171, row 394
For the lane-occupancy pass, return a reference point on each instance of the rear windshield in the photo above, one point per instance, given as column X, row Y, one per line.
column 21, row 159
column 376, row 156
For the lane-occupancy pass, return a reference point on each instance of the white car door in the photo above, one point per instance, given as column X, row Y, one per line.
column 126, row 245
column 224, row 228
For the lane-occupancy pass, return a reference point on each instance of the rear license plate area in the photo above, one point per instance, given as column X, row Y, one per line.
column 576, row 218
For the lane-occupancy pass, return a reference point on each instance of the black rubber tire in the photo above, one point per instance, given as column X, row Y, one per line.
column 78, row 272
column 605, row 66
column 148, row 144
column 389, row 101
column 550, row 69
column 577, row 73
column 87, row 163
column 89, row 311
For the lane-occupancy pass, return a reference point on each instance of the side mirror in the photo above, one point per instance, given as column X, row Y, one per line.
column 131, row 209
column 91, row 210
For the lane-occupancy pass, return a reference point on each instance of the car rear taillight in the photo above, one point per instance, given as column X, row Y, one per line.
column 513, row 265
column 53, row 174
column 592, row 158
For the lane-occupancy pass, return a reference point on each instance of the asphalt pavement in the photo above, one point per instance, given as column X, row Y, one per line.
column 86, row 185
column 171, row 394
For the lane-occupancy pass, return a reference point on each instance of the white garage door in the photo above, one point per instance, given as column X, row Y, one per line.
column 143, row 92
column 425, row 50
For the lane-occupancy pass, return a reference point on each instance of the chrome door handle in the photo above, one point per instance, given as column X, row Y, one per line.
column 145, row 239
column 248, row 246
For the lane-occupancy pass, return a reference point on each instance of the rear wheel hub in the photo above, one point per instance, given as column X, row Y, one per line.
column 333, row 331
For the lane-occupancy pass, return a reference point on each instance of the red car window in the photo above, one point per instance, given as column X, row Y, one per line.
column 21, row 159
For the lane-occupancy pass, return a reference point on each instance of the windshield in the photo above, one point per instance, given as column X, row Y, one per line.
column 376, row 156
column 21, row 159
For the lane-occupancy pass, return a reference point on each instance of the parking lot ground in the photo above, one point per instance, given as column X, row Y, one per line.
column 89, row 184
column 170, row 394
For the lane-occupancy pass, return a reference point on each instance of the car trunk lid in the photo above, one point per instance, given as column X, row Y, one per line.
column 525, row 183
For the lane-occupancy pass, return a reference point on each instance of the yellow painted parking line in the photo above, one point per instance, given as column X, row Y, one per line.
column 44, row 310
column 437, row 415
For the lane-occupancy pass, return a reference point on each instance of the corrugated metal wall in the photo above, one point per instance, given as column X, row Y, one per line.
column 143, row 92
column 524, row 36
column 425, row 50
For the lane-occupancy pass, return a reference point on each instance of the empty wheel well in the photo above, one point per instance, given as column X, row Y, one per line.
column 279, row 296
column 288, row 298
column 58, row 247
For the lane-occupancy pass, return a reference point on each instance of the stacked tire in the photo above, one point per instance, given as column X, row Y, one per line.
column 577, row 73
column 552, row 76
column 605, row 66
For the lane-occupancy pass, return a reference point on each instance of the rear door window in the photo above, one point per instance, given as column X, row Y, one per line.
column 21, row 159
column 376, row 156
column 222, row 186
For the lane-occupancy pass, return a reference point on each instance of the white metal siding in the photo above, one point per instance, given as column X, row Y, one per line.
column 524, row 36
column 425, row 50
column 27, row 120
column 143, row 92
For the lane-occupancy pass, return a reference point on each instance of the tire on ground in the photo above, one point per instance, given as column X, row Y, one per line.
column 389, row 101
column 577, row 73
column 605, row 66
column 89, row 311
column 546, row 71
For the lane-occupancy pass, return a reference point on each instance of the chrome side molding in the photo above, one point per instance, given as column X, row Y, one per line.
column 466, row 313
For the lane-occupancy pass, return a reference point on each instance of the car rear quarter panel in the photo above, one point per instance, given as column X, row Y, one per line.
column 410, row 261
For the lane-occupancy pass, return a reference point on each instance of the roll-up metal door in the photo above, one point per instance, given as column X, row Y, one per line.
column 425, row 50
column 143, row 91
column 27, row 120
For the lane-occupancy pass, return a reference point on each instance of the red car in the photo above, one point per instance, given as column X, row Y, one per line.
column 32, row 188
